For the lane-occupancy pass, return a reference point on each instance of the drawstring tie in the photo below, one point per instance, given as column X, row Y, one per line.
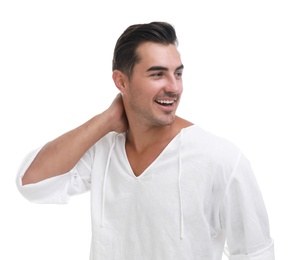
column 104, row 182
column 179, row 188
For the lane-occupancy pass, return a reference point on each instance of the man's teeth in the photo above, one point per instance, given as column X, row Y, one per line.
column 167, row 102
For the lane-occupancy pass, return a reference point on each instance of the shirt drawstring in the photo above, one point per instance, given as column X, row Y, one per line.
column 104, row 182
column 179, row 188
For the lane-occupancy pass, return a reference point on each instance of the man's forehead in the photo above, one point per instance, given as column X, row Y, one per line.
column 157, row 54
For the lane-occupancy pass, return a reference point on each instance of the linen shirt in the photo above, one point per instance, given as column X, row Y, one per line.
column 199, row 193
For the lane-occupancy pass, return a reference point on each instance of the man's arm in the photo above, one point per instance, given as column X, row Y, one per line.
column 61, row 155
column 244, row 216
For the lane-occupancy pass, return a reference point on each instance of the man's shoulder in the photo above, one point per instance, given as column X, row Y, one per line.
column 108, row 140
column 210, row 153
column 204, row 142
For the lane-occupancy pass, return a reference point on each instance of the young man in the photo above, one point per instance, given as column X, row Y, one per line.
column 162, row 187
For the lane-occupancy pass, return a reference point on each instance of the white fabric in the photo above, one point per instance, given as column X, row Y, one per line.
column 197, row 194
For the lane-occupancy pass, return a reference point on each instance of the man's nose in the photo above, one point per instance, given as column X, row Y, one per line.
column 173, row 85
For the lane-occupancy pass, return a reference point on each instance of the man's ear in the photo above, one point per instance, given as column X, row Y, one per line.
column 120, row 80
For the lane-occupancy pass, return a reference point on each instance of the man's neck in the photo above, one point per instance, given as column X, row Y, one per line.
column 140, row 138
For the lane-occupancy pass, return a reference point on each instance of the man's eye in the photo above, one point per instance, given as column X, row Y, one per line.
column 178, row 74
column 159, row 74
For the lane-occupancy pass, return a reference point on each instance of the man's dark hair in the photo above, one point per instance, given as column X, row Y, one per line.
column 125, row 55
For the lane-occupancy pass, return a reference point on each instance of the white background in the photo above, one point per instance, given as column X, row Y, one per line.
column 55, row 73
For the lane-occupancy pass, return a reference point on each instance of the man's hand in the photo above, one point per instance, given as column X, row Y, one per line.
column 116, row 113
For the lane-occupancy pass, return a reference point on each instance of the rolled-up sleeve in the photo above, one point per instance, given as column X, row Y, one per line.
column 244, row 216
column 55, row 190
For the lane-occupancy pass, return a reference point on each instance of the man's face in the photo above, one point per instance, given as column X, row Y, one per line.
column 153, row 92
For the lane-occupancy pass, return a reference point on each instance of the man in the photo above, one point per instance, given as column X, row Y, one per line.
column 162, row 187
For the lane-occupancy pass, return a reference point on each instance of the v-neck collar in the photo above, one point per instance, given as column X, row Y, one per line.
column 165, row 151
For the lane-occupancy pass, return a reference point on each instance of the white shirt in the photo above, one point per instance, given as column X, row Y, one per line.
column 197, row 194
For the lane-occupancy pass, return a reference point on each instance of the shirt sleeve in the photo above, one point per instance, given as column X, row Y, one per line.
column 244, row 216
column 56, row 190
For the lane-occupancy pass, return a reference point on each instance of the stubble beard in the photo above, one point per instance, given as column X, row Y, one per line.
column 150, row 117
column 153, row 118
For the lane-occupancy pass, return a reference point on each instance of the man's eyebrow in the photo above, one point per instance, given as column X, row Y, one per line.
column 181, row 67
column 156, row 68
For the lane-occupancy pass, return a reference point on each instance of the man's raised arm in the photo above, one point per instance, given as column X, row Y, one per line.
column 61, row 155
